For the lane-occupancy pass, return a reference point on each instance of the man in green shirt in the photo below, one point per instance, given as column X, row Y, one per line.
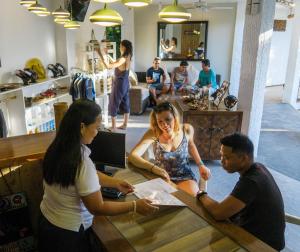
column 207, row 77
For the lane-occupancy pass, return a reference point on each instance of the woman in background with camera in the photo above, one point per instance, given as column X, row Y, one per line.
column 119, row 97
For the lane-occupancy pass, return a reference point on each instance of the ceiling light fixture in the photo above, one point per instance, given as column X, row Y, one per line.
column 43, row 13
column 27, row 3
column 61, row 13
column 136, row 3
column 61, row 20
column 106, row 17
column 174, row 13
column 72, row 25
column 38, row 9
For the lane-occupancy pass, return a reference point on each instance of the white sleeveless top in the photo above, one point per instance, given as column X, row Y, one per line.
column 63, row 207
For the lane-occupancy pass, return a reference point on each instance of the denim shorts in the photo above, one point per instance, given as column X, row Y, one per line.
column 178, row 85
column 157, row 86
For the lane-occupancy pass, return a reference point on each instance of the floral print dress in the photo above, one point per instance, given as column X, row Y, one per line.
column 176, row 162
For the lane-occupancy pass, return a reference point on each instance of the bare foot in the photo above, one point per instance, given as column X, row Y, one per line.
column 113, row 129
column 122, row 127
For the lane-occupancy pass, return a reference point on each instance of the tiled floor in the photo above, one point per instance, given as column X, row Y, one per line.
column 278, row 149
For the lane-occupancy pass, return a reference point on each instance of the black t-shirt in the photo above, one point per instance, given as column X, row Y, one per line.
column 155, row 74
column 263, row 215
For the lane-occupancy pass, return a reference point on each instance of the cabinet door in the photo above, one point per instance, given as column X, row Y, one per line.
column 202, row 126
column 223, row 125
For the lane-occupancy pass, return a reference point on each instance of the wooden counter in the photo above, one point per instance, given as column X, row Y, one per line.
column 172, row 228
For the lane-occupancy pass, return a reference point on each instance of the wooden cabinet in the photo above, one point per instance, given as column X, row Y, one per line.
column 210, row 126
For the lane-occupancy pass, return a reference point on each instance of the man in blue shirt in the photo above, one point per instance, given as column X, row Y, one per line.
column 207, row 78
column 156, row 77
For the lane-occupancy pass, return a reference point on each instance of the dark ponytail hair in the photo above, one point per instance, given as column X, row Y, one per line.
column 63, row 158
column 129, row 50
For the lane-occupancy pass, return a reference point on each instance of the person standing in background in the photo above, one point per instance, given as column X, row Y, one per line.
column 171, row 49
column 119, row 97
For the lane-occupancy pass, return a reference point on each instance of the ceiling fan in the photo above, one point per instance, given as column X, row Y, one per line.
column 203, row 6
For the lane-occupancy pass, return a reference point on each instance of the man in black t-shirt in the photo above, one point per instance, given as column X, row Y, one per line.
column 255, row 203
column 155, row 76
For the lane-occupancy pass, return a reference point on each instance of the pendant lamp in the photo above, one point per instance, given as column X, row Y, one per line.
column 61, row 13
column 72, row 25
column 38, row 9
column 136, row 3
column 44, row 13
column 106, row 17
column 27, row 3
column 174, row 13
column 61, row 20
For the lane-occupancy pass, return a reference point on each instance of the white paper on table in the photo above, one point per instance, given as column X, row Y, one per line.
column 158, row 191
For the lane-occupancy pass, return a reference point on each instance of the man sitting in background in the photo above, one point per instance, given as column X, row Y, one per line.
column 179, row 77
column 207, row 78
column 255, row 203
column 155, row 76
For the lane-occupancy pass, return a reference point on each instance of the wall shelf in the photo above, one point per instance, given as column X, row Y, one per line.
column 22, row 120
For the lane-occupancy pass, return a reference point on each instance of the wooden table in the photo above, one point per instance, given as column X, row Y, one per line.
column 172, row 228
column 210, row 126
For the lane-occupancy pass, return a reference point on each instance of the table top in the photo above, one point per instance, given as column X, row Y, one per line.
column 211, row 108
column 188, row 228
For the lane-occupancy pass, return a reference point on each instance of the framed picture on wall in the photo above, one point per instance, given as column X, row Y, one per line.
column 279, row 25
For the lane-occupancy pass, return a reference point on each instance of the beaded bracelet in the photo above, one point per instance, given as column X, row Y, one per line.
column 134, row 206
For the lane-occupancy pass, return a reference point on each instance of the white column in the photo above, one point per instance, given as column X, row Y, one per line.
column 255, row 59
column 237, row 47
column 293, row 67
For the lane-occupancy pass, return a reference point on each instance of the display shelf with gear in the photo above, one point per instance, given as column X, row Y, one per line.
column 29, row 108
column 102, row 77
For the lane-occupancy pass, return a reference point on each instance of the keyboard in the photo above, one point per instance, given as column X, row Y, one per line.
column 112, row 193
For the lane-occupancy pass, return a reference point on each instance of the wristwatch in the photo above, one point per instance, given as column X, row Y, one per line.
column 200, row 194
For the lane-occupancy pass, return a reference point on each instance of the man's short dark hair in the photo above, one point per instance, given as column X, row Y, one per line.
column 184, row 63
column 156, row 58
column 239, row 143
column 206, row 62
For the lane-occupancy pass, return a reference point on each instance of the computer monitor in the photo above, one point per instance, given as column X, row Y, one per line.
column 108, row 148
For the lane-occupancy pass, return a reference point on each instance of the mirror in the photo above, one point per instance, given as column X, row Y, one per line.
column 185, row 41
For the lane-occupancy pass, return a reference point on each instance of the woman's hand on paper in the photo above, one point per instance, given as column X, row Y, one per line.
column 144, row 207
column 123, row 186
column 161, row 172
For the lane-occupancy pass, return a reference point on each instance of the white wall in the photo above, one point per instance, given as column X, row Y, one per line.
column 24, row 35
column 219, row 44
column 279, row 50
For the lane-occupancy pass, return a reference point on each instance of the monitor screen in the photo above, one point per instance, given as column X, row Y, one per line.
column 78, row 8
column 108, row 148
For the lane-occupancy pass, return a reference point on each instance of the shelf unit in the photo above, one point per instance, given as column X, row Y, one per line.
column 40, row 116
column 100, row 77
